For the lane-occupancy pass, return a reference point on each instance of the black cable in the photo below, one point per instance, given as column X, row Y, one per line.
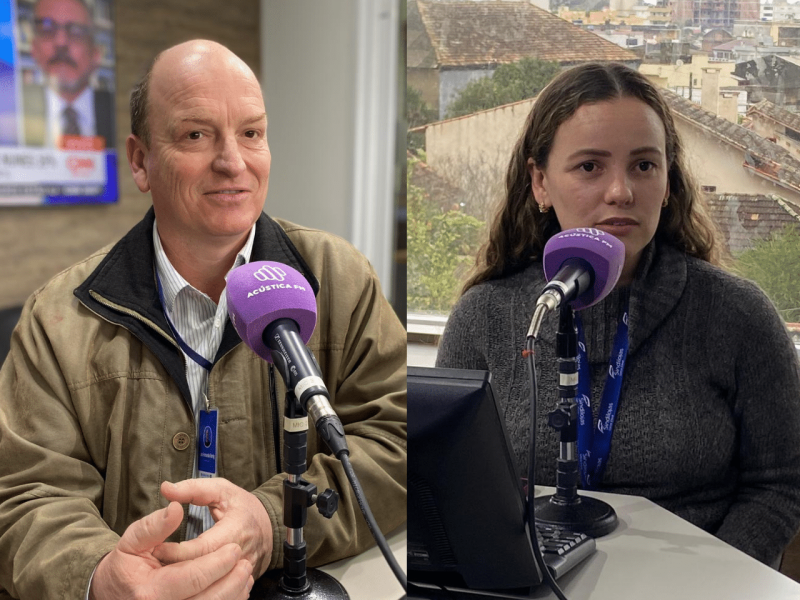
column 373, row 526
column 537, row 553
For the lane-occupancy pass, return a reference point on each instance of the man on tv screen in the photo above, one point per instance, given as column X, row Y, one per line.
column 64, row 48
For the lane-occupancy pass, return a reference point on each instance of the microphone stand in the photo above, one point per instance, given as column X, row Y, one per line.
column 297, row 582
column 566, row 509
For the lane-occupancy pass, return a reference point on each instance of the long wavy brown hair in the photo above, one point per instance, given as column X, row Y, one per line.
column 519, row 231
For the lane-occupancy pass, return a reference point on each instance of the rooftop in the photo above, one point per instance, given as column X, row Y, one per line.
column 776, row 113
column 745, row 218
column 760, row 155
column 466, row 33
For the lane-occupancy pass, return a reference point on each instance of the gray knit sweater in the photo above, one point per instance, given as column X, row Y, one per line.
column 708, row 424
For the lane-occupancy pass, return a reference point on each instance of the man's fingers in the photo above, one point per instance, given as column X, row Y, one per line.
column 145, row 534
column 200, row 492
column 207, row 542
column 196, row 576
column 236, row 585
column 169, row 553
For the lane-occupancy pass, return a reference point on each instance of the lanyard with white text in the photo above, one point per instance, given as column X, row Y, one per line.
column 594, row 444
column 200, row 360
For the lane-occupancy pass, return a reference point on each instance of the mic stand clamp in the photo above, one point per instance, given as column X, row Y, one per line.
column 297, row 582
column 566, row 509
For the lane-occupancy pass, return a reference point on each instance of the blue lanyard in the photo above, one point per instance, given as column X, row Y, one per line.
column 200, row 360
column 594, row 444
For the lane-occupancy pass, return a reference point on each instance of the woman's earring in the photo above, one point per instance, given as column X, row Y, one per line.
column 543, row 208
column 665, row 202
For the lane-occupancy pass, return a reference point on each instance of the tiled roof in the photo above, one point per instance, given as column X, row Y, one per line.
column 745, row 218
column 776, row 113
column 760, row 155
column 468, row 33
column 419, row 50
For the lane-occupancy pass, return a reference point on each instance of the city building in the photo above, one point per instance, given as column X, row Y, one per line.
column 714, row 13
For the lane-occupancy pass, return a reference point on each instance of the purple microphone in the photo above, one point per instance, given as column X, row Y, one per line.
column 582, row 266
column 274, row 311
column 262, row 292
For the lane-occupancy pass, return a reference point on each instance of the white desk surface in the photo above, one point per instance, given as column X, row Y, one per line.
column 656, row 555
column 368, row 576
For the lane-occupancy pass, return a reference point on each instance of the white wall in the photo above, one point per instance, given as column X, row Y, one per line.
column 308, row 76
column 331, row 128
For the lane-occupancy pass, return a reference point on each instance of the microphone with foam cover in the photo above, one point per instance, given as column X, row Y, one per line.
column 262, row 292
column 273, row 309
column 582, row 266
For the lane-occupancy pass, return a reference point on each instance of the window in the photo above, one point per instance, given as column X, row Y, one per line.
column 463, row 124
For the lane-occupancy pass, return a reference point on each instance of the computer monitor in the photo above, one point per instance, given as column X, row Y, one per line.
column 466, row 525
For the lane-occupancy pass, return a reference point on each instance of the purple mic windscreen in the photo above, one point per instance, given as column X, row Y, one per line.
column 261, row 292
column 604, row 252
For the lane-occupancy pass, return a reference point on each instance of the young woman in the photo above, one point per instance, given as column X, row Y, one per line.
column 707, row 420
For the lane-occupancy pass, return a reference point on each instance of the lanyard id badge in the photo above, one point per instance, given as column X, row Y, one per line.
column 594, row 444
column 187, row 350
column 207, row 445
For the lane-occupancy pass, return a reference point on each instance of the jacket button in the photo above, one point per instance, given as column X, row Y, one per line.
column 180, row 441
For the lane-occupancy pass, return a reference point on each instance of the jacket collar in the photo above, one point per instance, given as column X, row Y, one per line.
column 122, row 289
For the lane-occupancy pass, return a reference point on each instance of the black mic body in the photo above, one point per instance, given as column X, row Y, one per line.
column 575, row 277
column 302, row 376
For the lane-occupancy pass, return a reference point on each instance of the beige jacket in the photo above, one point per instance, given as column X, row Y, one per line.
column 94, row 412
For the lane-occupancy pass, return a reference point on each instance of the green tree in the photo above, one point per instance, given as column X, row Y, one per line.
column 509, row 83
column 441, row 247
column 417, row 113
column 772, row 264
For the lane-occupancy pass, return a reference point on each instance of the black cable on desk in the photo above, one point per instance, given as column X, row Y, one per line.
column 548, row 577
column 373, row 526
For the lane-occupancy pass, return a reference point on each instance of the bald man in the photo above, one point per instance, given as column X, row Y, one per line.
column 116, row 356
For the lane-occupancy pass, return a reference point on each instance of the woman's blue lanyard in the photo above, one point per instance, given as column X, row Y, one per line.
column 594, row 444
column 200, row 360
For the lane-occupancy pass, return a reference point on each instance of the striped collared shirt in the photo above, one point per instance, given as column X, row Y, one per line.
column 201, row 323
